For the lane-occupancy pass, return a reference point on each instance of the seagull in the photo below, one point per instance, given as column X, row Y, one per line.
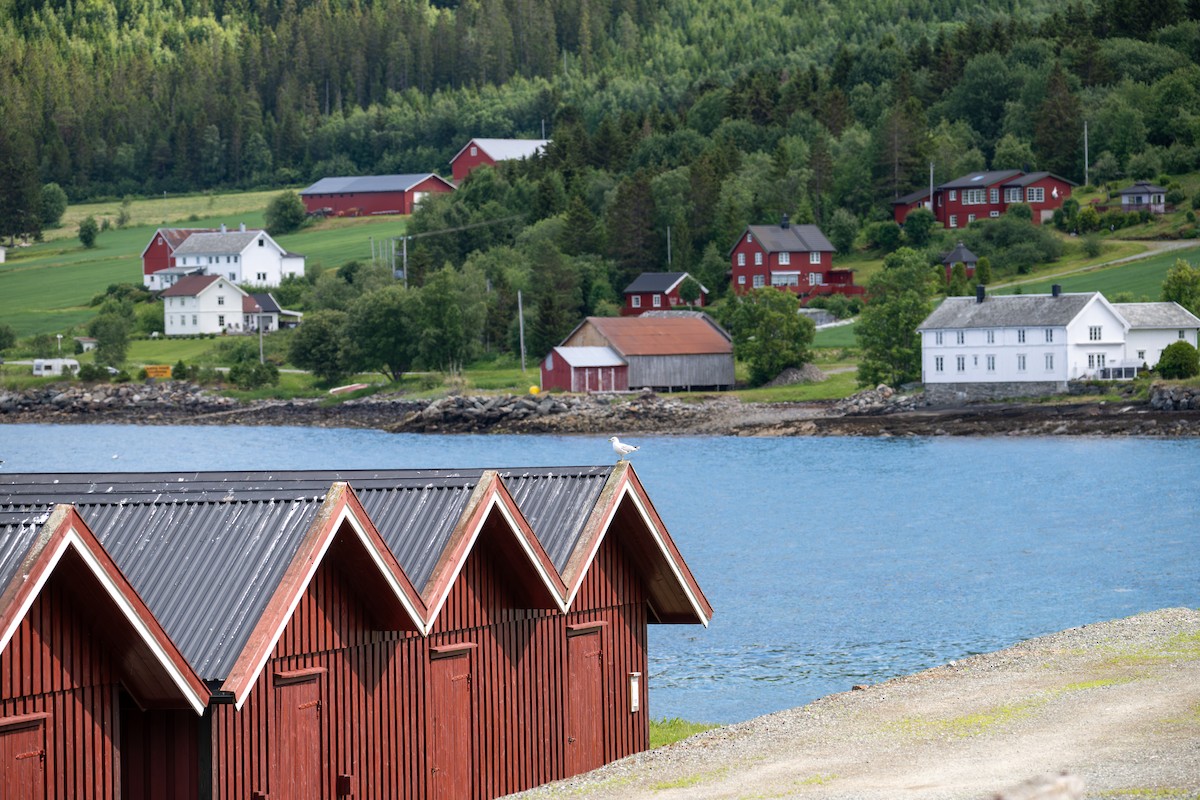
column 620, row 449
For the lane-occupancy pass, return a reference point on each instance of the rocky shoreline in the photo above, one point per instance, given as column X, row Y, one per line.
column 1171, row 411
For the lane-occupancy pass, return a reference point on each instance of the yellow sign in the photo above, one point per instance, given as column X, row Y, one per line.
column 158, row 370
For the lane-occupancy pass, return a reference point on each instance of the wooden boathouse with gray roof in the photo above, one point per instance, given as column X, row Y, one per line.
column 382, row 634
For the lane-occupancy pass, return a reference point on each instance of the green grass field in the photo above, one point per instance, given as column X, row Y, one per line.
column 1142, row 278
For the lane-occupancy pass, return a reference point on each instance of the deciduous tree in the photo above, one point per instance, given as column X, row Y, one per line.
column 768, row 332
column 898, row 301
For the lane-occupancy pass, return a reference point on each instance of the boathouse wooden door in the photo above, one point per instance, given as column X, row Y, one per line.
column 298, row 773
column 450, row 772
column 23, row 758
column 585, row 699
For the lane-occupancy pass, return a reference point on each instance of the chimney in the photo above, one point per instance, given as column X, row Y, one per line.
column 222, row 227
column 242, row 227
column 783, row 222
column 1056, row 290
column 980, row 293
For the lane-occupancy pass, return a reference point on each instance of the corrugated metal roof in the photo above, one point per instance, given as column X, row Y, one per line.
column 586, row 356
column 367, row 183
column 1007, row 311
column 638, row 336
column 18, row 530
column 557, row 503
column 1157, row 315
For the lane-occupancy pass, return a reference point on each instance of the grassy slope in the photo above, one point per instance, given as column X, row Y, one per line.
column 1143, row 278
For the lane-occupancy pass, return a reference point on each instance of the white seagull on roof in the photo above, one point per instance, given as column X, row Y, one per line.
column 620, row 449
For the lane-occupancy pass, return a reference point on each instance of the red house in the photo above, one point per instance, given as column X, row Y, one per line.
column 160, row 253
column 382, row 634
column 983, row 195
column 795, row 258
column 487, row 152
column 584, row 369
column 371, row 194
column 658, row 291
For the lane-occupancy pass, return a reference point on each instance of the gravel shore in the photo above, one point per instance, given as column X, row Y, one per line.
column 1116, row 705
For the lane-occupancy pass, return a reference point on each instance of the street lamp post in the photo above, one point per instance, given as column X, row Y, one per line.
column 59, row 335
column 258, row 312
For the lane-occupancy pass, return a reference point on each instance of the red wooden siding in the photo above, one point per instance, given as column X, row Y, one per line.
column 54, row 667
column 462, row 166
column 450, row 726
column 158, row 753
column 297, row 760
column 23, row 757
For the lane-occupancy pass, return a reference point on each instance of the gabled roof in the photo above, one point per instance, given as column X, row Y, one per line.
column 792, row 239
column 1143, row 187
column 960, row 253
column 221, row 243
column 586, row 356
column 365, row 184
column 646, row 336
column 39, row 541
column 173, row 237
column 912, row 197
column 659, row 282
column 505, row 149
column 191, row 285
column 1034, row 177
column 260, row 303
column 1157, row 315
column 1009, row 311
column 975, row 180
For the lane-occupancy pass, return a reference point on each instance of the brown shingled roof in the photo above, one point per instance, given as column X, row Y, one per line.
column 190, row 286
column 642, row 336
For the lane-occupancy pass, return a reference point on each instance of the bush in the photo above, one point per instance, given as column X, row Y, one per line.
column 285, row 213
column 88, row 231
column 252, row 375
column 883, row 236
column 92, row 373
column 54, row 205
column 1179, row 360
column 1092, row 245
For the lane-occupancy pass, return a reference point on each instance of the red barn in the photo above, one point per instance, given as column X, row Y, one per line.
column 794, row 258
column 371, row 194
column 584, row 369
column 658, row 291
column 987, row 195
column 365, row 634
column 487, row 152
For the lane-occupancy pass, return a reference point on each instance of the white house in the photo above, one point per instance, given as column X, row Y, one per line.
column 242, row 256
column 1023, row 345
column 203, row 304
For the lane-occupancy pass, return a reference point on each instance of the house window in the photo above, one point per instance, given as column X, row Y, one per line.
column 1182, row 334
column 1049, row 362
column 475, row 152
column 1021, row 336
column 954, row 220
column 960, row 337
column 970, row 218
column 991, row 337
column 816, row 279
column 1049, row 335
column 953, row 195
column 233, row 276
column 993, row 214
column 961, row 363
column 1035, row 194
column 635, row 301
column 1095, row 360
column 814, row 257
column 758, row 259
column 785, row 259
column 741, row 280
column 759, row 281
column 262, row 242
column 1021, row 363
column 193, row 319
column 235, row 259
column 939, row 364
column 1141, row 355
column 658, row 301
column 972, row 197
column 749, row 237
column 221, row 300
column 937, row 337
column 741, row 259
column 785, row 280
column 221, row 320
column 1094, row 333
column 262, row 277
column 1012, row 195
column 994, row 195
column 991, row 363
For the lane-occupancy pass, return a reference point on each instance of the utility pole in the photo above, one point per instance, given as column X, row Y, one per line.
column 1086, row 179
column 521, row 326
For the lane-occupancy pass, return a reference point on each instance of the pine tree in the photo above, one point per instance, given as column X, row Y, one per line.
column 1058, row 129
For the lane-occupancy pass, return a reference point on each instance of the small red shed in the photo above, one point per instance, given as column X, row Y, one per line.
column 383, row 634
column 659, row 291
column 584, row 369
column 487, row 152
column 371, row 194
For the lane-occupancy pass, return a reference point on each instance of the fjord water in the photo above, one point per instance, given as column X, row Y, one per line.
column 829, row 562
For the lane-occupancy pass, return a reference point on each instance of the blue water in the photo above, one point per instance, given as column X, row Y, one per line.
column 829, row 562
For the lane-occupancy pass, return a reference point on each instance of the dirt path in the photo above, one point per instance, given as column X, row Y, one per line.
column 1117, row 705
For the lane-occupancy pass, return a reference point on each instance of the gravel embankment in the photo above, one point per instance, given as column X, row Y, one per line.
column 1116, row 705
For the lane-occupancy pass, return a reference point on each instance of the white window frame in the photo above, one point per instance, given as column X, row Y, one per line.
column 758, row 259
column 816, row 279
column 220, row 300
column 939, row 364
column 937, row 337
column 635, row 301
column 993, row 214
column 1020, row 362
column 954, row 220
column 970, row 218
column 953, row 195
column 960, row 337
column 785, row 258
column 1094, row 333
column 1049, row 362
column 993, row 195
column 741, row 280
column 657, row 301
column 741, row 259
column 991, row 363
column 1020, row 336
column 1012, row 194
column 1049, row 335
column 814, row 257
column 961, row 363
column 991, row 337
column 759, row 282
column 1035, row 194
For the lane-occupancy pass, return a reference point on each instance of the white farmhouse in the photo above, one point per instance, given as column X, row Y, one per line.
column 242, row 256
column 1024, row 345
column 202, row 304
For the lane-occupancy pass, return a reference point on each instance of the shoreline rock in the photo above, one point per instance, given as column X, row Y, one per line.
column 1172, row 411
